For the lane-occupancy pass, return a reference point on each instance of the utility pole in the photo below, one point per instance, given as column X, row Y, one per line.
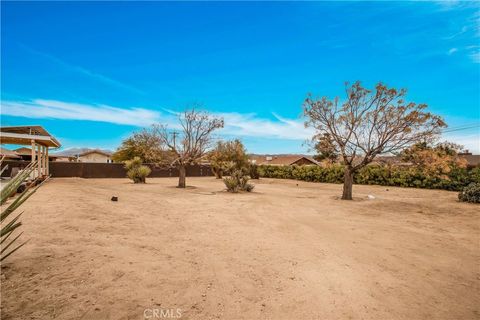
column 174, row 134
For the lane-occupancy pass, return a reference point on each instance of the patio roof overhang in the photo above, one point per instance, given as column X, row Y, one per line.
column 23, row 135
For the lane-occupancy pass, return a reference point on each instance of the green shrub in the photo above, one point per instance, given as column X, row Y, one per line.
column 375, row 174
column 231, row 183
column 136, row 171
column 470, row 193
column 238, row 181
column 253, row 171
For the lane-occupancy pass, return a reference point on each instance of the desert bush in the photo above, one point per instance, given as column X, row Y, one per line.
column 279, row 172
column 227, row 156
column 455, row 180
column 136, row 171
column 253, row 171
column 231, row 183
column 238, row 181
column 217, row 171
column 470, row 193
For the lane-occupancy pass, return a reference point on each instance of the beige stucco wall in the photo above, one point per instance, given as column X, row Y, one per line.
column 94, row 157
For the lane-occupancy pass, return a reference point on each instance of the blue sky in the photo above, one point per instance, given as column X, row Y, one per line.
column 93, row 72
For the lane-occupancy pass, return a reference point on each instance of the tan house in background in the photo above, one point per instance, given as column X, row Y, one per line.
column 95, row 155
column 283, row 160
column 8, row 154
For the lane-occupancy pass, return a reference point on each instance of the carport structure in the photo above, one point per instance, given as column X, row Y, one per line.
column 36, row 137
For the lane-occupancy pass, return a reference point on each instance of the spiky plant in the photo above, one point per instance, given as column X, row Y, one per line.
column 238, row 181
column 136, row 171
column 8, row 228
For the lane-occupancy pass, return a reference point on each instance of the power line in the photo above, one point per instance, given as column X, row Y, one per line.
column 459, row 128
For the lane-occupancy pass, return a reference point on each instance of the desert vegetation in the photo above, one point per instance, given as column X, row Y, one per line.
column 194, row 139
column 378, row 174
column 227, row 155
column 144, row 144
column 238, row 181
column 470, row 193
column 368, row 123
column 230, row 158
column 9, row 225
column 136, row 171
column 166, row 146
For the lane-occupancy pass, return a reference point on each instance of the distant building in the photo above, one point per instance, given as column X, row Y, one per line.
column 283, row 160
column 8, row 154
column 25, row 154
column 65, row 159
column 473, row 160
column 84, row 155
column 95, row 155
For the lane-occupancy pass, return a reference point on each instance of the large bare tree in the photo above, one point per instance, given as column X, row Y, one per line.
column 368, row 123
column 190, row 144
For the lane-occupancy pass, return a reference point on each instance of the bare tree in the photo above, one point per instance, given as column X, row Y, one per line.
column 191, row 144
column 369, row 123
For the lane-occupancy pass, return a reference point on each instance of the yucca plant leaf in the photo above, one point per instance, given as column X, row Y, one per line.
column 6, row 255
column 10, row 226
column 14, row 205
column 6, row 237
column 7, row 230
column 15, row 182
column 17, row 202
column 21, row 199
column 10, row 243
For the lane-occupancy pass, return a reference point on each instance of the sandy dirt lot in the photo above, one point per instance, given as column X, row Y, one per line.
column 289, row 250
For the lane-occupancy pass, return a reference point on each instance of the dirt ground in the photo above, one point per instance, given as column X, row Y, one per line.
column 289, row 250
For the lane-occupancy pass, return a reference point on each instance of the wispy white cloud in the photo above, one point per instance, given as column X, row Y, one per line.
column 84, row 71
column 452, row 51
column 53, row 109
column 237, row 124
column 456, row 34
column 250, row 125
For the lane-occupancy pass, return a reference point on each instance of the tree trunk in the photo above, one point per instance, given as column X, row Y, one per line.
column 217, row 172
column 181, row 176
column 347, row 184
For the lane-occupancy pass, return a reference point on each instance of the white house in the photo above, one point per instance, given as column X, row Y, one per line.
column 95, row 156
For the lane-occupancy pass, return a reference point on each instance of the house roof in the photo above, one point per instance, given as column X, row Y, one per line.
column 8, row 153
column 75, row 152
column 24, row 151
column 280, row 160
column 95, row 151
column 472, row 159
column 25, row 134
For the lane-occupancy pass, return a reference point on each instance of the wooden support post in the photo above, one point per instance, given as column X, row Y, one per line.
column 47, row 168
column 44, row 172
column 39, row 160
column 33, row 156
